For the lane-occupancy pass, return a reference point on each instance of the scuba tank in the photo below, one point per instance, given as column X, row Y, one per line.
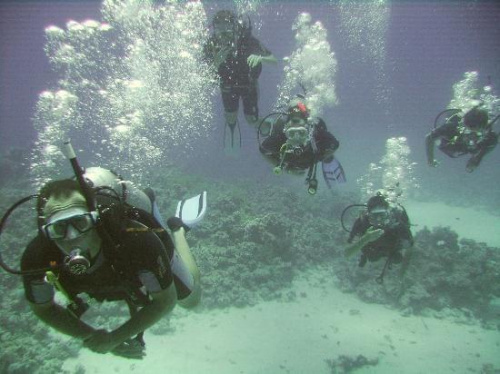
column 104, row 179
column 107, row 183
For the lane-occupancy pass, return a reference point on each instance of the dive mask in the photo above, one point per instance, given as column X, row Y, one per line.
column 297, row 135
column 76, row 218
column 225, row 35
column 379, row 217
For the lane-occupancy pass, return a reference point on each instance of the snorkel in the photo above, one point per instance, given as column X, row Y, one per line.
column 79, row 172
column 78, row 260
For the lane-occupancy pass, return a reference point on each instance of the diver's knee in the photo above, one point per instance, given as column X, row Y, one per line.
column 251, row 119
column 193, row 299
column 397, row 258
column 231, row 117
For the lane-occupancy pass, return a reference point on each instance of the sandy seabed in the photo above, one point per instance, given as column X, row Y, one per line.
column 300, row 336
column 466, row 222
column 320, row 325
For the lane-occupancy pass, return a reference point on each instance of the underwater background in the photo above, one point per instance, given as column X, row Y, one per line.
column 123, row 80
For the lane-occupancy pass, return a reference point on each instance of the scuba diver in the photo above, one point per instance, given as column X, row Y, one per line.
column 383, row 229
column 461, row 134
column 295, row 142
column 101, row 236
column 237, row 57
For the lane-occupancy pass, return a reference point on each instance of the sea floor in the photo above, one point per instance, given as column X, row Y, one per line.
column 301, row 336
column 466, row 222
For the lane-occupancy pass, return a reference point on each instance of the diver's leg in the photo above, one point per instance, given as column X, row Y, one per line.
column 184, row 268
column 186, row 262
column 230, row 101
column 231, row 118
column 250, row 105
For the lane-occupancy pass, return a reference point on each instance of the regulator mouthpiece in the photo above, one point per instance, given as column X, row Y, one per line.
column 76, row 262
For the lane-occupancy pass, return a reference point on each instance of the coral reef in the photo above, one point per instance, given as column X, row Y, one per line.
column 454, row 274
column 251, row 245
column 346, row 364
column 443, row 277
column 12, row 165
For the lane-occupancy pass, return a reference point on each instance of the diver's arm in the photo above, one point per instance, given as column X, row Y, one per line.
column 369, row 236
column 221, row 55
column 429, row 145
column 485, row 148
column 254, row 60
column 214, row 54
column 270, row 147
column 61, row 320
column 271, row 158
column 475, row 160
column 163, row 302
column 270, row 59
column 327, row 142
column 331, row 148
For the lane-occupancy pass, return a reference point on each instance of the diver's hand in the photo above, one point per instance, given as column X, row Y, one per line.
column 132, row 348
column 471, row 165
column 372, row 234
column 222, row 55
column 265, row 127
column 254, row 60
column 433, row 163
column 175, row 223
column 101, row 341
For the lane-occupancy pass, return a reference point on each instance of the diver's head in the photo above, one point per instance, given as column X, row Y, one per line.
column 378, row 211
column 67, row 221
column 297, row 128
column 476, row 118
column 297, row 109
column 225, row 27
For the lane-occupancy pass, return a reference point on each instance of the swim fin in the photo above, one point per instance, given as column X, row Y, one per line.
column 333, row 172
column 232, row 138
column 191, row 211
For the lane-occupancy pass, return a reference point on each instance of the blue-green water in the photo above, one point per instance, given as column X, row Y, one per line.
column 125, row 82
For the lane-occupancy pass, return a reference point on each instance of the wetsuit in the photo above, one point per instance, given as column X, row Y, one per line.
column 237, row 80
column 142, row 263
column 396, row 236
column 325, row 143
column 454, row 143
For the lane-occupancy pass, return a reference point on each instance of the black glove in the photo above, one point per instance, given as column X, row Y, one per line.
column 362, row 260
column 175, row 223
column 472, row 164
column 133, row 348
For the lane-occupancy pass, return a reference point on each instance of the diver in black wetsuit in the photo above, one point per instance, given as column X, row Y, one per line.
column 383, row 230
column 296, row 142
column 237, row 56
column 462, row 134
